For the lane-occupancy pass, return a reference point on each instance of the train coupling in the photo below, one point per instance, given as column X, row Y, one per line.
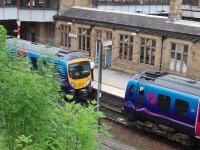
column 83, row 92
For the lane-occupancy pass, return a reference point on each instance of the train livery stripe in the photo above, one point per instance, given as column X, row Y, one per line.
column 145, row 110
column 160, row 116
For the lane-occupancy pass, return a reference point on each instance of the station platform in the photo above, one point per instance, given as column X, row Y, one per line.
column 113, row 82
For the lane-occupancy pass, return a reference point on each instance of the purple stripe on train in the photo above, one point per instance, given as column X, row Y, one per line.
column 145, row 110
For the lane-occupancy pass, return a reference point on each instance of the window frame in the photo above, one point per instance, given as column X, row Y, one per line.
column 65, row 30
column 126, row 47
column 109, row 35
column 160, row 105
column 141, row 98
column 147, row 52
column 99, row 34
column 175, row 106
column 178, row 50
column 84, row 39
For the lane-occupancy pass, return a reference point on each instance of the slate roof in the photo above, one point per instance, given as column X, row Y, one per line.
column 137, row 21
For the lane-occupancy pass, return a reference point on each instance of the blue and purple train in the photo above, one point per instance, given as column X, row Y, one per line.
column 166, row 104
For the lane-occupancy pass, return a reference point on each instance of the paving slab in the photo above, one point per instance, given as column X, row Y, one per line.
column 113, row 78
column 113, row 81
column 110, row 89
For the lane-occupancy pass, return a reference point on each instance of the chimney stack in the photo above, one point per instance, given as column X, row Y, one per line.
column 67, row 4
column 175, row 10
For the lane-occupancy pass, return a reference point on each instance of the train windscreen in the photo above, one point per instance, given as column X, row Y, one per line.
column 79, row 70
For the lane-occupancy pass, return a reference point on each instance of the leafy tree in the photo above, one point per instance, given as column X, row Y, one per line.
column 27, row 99
column 32, row 112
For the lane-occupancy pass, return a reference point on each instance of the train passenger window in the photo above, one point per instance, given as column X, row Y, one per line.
column 163, row 103
column 141, row 94
column 181, row 107
column 131, row 91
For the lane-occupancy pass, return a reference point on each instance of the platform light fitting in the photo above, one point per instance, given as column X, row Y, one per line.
column 133, row 34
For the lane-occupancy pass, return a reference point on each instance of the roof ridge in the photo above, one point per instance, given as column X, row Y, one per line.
column 180, row 22
column 120, row 12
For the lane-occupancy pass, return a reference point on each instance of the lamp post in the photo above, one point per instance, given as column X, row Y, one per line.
column 99, row 77
column 105, row 45
column 163, row 37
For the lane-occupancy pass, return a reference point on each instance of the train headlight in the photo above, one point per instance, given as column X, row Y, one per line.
column 88, row 82
column 72, row 85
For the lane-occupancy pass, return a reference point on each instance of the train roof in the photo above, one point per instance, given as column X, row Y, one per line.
column 170, row 81
column 42, row 49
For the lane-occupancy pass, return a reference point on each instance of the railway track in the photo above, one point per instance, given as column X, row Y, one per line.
column 111, row 106
column 111, row 102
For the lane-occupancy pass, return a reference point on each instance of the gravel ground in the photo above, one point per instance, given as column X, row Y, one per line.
column 136, row 139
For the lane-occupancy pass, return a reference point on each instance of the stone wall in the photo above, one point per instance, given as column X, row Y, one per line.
column 194, row 59
column 175, row 10
column 66, row 4
column 166, row 55
column 193, row 69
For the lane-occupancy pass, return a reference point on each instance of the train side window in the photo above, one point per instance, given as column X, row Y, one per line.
column 163, row 103
column 131, row 91
column 181, row 107
column 141, row 94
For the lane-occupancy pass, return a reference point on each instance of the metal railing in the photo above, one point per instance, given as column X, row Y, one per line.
column 145, row 2
column 31, row 4
column 8, row 3
column 39, row 4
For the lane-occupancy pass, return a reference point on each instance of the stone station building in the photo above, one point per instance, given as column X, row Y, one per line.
column 138, row 41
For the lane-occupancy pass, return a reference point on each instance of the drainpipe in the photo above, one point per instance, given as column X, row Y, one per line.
column 94, row 3
column 58, row 7
column 163, row 37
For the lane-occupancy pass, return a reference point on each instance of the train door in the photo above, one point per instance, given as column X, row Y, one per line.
column 108, row 56
column 130, row 96
column 131, row 93
column 98, row 48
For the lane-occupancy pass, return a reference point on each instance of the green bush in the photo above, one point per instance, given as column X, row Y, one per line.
column 31, row 117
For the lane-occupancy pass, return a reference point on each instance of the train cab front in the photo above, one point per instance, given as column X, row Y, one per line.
column 79, row 77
